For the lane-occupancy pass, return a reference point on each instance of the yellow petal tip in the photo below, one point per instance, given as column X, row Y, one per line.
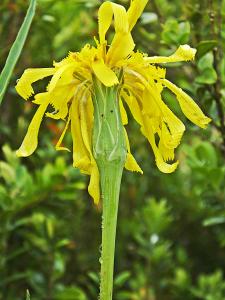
column 62, row 149
column 132, row 165
column 186, row 52
column 22, row 153
column 104, row 73
column 165, row 167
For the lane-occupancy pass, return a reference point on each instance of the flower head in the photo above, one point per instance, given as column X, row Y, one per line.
column 140, row 84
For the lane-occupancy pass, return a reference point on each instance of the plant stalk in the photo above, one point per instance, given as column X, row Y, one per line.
column 110, row 185
column 109, row 148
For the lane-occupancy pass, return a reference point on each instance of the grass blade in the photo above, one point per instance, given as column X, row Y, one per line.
column 27, row 295
column 16, row 49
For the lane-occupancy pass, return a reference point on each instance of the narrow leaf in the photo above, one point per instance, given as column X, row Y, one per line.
column 214, row 221
column 16, row 49
column 27, row 295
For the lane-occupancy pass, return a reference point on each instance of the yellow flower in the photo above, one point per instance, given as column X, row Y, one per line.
column 141, row 83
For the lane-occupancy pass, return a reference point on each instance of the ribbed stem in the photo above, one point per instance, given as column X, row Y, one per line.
column 109, row 148
column 110, row 185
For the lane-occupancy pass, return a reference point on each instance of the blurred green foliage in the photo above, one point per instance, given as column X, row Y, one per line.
column 171, row 231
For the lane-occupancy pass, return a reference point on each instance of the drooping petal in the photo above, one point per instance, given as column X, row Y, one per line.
column 81, row 157
column 30, row 141
column 64, row 75
column 41, row 98
column 93, row 187
column 123, row 113
column 150, row 126
column 183, row 53
column 81, row 129
column 147, row 130
column 65, row 61
column 59, row 99
column 188, row 106
column 150, row 104
column 58, row 145
column 154, row 107
column 105, row 15
column 24, row 84
column 135, row 11
column 122, row 45
column 133, row 106
column 86, row 120
column 131, row 163
column 172, row 128
column 167, row 153
column 104, row 73
column 86, row 113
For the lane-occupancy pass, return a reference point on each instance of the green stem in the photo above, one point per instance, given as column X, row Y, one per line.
column 109, row 148
column 110, row 185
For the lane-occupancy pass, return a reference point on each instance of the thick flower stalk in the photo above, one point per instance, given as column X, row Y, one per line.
column 90, row 90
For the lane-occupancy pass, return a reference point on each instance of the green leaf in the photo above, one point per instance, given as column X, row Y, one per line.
column 206, row 61
column 206, row 153
column 16, row 49
column 124, row 295
column 70, row 293
column 27, row 295
column 10, row 155
column 208, row 74
column 63, row 243
column 176, row 33
column 94, row 277
column 214, row 221
column 156, row 215
column 204, row 47
column 216, row 177
column 121, row 279
column 7, row 172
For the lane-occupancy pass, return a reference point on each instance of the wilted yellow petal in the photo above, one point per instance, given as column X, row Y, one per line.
column 163, row 115
column 94, row 187
column 64, row 75
column 58, row 145
column 104, row 73
column 59, row 99
column 122, row 46
column 41, row 98
column 188, row 106
column 183, row 53
column 167, row 153
column 147, row 130
column 30, row 141
column 24, row 84
column 105, row 14
column 86, row 114
column 151, row 104
column 123, row 113
column 131, row 163
column 81, row 157
column 135, row 11
column 133, row 106
column 172, row 128
column 65, row 61
column 147, row 125
column 86, row 120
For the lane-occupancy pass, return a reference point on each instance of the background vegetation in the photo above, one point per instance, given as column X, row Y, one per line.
column 171, row 231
